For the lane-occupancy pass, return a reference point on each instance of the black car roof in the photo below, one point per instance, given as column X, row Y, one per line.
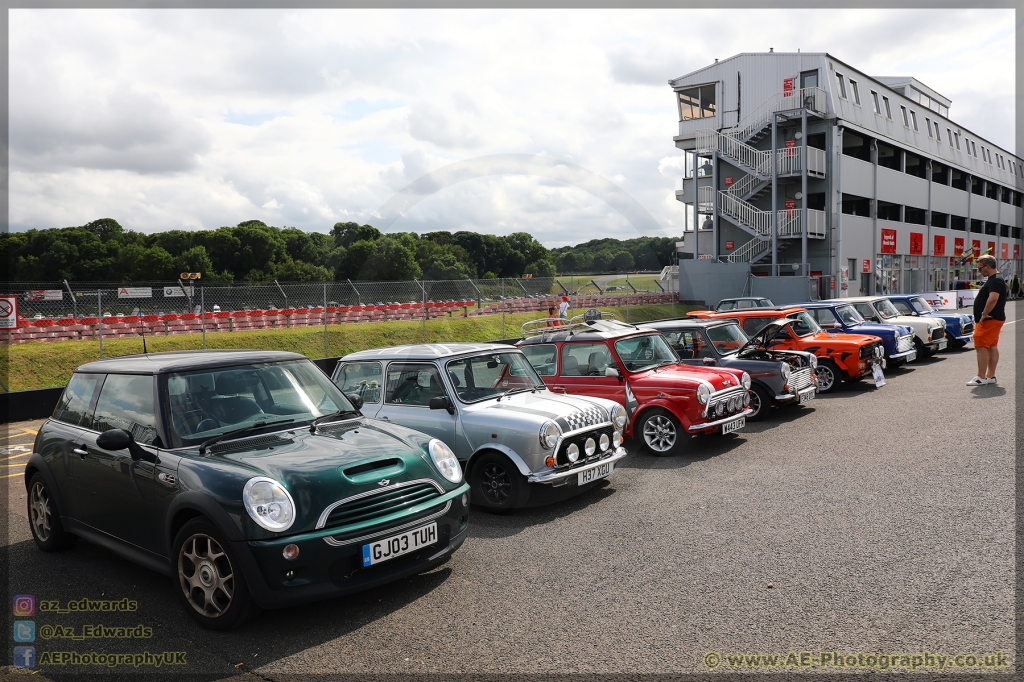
column 177, row 361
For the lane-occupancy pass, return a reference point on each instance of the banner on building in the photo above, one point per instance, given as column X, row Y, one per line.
column 916, row 243
column 975, row 248
column 939, row 245
column 1005, row 251
column 958, row 246
column 888, row 240
column 866, row 266
column 1016, row 252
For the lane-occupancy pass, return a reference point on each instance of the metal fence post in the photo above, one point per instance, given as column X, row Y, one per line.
column 99, row 304
column 503, row 307
column 325, row 321
column 423, row 289
column 74, row 303
column 202, row 312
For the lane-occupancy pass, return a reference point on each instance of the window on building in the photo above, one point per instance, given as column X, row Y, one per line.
column 856, row 91
column 913, row 119
column 906, row 119
column 842, row 85
column 943, row 111
column 874, row 99
column 697, row 102
column 956, row 138
column 928, row 125
column 938, row 135
column 888, row 110
column 949, row 134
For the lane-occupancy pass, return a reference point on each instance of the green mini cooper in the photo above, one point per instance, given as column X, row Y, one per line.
column 247, row 476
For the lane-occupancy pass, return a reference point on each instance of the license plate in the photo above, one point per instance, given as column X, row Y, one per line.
column 912, row 356
column 942, row 344
column 397, row 545
column 734, row 426
column 590, row 475
column 878, row 375
column 806, row 397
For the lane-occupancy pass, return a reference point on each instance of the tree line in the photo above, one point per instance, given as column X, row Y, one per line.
column 253, row 251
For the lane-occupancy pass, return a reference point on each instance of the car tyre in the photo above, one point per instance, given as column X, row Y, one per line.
column 208, row 578
column 760, row 403
column 496, row 484
column 922, row 352
column 44, row 518
column 828, row 376
column 661, row 433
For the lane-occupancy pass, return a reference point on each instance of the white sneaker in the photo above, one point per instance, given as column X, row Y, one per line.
column 977, row 381
column 990, row 380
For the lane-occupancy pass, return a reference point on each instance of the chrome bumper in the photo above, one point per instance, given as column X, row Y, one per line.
column 549, row 476
column 790, row 397
column 710, row 425
column 897, row 356
column 966, row 338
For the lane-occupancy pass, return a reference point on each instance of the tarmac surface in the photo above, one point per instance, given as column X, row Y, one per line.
column 873, row 520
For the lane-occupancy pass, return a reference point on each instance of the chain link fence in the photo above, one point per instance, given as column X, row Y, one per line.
column 62, row 311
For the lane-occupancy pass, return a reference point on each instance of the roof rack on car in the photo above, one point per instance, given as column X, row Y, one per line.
column 554, row 325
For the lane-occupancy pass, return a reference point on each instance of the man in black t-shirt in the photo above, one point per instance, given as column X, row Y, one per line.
column 989, row 316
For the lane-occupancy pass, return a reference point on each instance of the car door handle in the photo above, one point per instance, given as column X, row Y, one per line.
column 385, row 418
column 560, row 389
column 80, row 452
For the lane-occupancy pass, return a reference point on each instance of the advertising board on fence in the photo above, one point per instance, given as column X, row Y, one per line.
column 173, row 291
column 36, row 295
column 135, row 292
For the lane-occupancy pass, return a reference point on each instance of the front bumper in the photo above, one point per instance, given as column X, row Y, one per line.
column 792, row 397
column 710, row 426
column 911, row 355
column 326, row 569
column 553, row 476
column 937, row 344
column 966, row 338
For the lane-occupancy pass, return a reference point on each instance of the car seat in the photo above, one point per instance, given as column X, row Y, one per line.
column 227, row 406
column 570, row 367
column 597, row 362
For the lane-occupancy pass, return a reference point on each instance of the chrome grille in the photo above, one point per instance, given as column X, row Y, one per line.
column 375, row 504
column 711, row 412
column 905, row 343
column 938, row 333
column 800, row 379
column 562, row 459
column 968, row 328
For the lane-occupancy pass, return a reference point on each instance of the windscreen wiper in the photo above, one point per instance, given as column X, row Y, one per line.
column 328, row 417
column 238, row 432
column 517, row 389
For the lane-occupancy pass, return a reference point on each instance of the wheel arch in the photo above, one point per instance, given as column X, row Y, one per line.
column 192, row 504
column 37, row 465
column 502, row 450
column 667, row 405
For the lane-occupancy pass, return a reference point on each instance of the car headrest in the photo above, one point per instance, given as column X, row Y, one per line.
column 239, row 381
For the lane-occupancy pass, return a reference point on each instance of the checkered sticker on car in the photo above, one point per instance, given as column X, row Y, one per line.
column 588, row 417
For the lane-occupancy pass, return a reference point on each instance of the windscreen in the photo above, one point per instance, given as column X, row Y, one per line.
column 645, row 352
column 209, row 402
column 849, row 315
column 921, row 305
column 886, row 309
column 727, row 338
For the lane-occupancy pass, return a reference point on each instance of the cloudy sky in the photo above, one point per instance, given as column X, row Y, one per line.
column 168, row 119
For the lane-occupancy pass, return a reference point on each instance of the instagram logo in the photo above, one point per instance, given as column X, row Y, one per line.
column 24, row 605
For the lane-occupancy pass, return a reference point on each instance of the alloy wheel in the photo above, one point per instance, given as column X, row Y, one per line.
column 41, row 512
column 659, row 433
column 206, row 575
column 826, row 378
column 495, row 484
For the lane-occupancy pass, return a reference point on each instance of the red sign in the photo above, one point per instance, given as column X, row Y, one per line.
column 1005, row 251
column 888, row 241
column 728, row 181
column 1016, row 252
column 787, row 87
column 865, row 266
column 991, row 248
column 916, row 243
column 729, row 245
column 976, row 247
column 790, row 148
column 958, row 246
column 939, row 247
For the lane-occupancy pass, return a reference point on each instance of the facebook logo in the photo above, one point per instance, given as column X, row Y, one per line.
column 24, row 631
column 24, row 657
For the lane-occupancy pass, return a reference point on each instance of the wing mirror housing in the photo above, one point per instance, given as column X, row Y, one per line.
column 355, row 399
column 119, row 439
column 709, row 361
column 612, row 371
column 442, row 402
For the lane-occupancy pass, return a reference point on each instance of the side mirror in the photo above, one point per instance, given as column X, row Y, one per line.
column 355, row 399
column 119, row 439
column 442, row 402
column 612, row 371
column 709, row 361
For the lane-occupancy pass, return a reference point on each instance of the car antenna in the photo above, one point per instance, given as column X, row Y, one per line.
column 142, row 329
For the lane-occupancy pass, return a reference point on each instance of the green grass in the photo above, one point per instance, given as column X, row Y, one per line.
column 641, row 282
column 41, row 365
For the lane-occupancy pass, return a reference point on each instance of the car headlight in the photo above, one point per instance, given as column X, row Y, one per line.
column 703, row 393
column 445, row 461
column 572, row 452
column 745, row 380
column 786, row 371
column 590, row 447
column 549, row 433
column 604, row 442
column 619, row 417
column 814, row 362
column 269, row 504
column 617, row 438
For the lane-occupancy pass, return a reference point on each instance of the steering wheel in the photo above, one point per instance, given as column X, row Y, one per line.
column 594, row 372
column 207, row 424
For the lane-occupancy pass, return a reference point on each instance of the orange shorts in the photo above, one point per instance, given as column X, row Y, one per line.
column 986, row 334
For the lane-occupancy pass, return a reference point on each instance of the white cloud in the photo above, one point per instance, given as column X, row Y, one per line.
column 200, row 118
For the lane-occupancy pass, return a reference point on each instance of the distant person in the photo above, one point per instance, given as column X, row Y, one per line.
column 709, row 224
column 1015, row 287
column 563, row 308
column 989, row 314
column 552, row 317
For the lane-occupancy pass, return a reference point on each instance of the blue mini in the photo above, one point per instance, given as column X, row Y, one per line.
column 839, row 317
column 959, row 326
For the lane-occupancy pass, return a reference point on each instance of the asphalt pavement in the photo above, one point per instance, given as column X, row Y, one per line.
column 873, row 520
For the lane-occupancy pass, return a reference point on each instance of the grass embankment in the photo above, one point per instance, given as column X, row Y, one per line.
column 641, row 282
column 41, row 365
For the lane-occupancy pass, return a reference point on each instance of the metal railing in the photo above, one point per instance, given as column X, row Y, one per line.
column 814, row 99
column 745, row 186
column 749, row 251
column 709, row 140
column 789, row 223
